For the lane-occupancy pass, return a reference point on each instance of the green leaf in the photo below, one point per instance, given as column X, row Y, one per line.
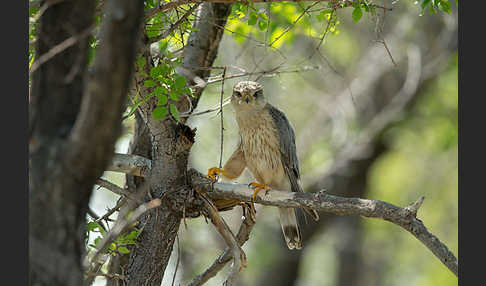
column 159, row 70
column 160, row 112
column 180, row 82
column 187, row 91
column 132, row 235
column 263, row 16
column 123, row 250
column 163, row 46
column 445, row 6
column 262, row 25
column 112, row 246
column 162, row 100
column 160, row 90
column 425, row 3
column 322, row 16
column 174, row 111
column 175, row 94
column 149, row 83
column 91, row 226
column 134, row 107
column 357, row 13
column 253, row 18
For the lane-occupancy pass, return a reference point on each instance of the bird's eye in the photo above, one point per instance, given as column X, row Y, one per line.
column 237, row 93
column 258, row 93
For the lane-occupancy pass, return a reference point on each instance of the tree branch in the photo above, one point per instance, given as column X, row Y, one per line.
column 122, row 223
column 130, row 164
column 234, row 247
column 174, row 4
column 404, row 217
column 321, row 201
column 98, row 124
column 174, row 26
column 218, row 264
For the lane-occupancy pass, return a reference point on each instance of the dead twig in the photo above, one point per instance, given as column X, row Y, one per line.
column 238, row 255
column 242, row 236
column 116, row 189
column 122, row 223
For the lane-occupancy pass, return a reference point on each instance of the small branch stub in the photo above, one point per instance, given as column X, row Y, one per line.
column 413, row 208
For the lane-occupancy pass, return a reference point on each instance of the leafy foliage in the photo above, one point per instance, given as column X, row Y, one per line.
column 118, row 246
column 435, row 5
column 166, row 85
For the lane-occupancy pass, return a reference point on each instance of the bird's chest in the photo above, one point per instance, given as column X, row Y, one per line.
column 260, row 144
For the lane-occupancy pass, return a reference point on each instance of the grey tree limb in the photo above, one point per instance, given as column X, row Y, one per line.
column 321, row 201
column 324, row 202
column 130, row 164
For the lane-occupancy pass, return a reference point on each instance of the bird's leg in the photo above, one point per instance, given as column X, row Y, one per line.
column 214, row 172
column 258, row 187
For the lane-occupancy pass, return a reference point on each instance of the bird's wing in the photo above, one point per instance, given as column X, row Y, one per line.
column 288, row 151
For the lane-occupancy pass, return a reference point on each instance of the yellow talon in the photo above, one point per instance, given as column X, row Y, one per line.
column 214, row 172
column 258, row 187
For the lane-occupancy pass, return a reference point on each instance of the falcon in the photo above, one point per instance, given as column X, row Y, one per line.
column 267, row 149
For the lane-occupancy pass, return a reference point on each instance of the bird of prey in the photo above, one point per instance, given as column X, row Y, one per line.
column 267, row 149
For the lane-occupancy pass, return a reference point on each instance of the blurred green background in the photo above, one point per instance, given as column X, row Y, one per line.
column 365, row 127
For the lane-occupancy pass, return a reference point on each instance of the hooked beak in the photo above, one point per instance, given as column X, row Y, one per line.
column 246, row 97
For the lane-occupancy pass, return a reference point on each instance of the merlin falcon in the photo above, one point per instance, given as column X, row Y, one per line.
column 267, row 149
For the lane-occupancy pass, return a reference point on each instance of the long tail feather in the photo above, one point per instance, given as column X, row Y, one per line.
column 290, row 228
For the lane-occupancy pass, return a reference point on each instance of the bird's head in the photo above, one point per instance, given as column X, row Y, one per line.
column 248, row 96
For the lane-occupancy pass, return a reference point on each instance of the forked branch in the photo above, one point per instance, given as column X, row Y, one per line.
column 242, row 236
column 234, row 247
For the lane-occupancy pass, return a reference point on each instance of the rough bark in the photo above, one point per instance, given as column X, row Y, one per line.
column 56, row 211
column 74, row 122
column 170, row 143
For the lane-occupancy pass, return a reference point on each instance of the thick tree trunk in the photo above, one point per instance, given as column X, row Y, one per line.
column 169, row 150
column 57, row 209
column 74, row 123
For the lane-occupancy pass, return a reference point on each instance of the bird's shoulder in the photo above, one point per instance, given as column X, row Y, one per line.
column 280, row 120
column 277, row 115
